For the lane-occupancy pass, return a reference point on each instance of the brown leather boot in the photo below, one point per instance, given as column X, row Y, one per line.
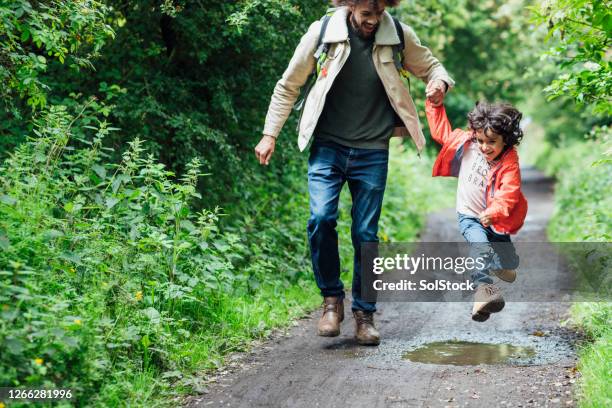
column 333, row 314
column 365, row 332
column 487, row 300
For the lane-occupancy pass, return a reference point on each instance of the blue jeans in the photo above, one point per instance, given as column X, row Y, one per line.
column 330, row 165
column 496, row 249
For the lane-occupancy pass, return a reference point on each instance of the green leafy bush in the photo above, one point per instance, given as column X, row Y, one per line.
column 104, row 267
column 583, row 212
column 583, row 196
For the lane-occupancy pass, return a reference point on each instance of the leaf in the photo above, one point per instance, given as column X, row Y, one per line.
column 116, row 184
column 5, row 243
column 52, row 234
column 13, row 346
column 71, row 257
column 111, row 202
column 100, row 170
column 188, row 225
column 221, row 246
column 172, row 374
column 152, row 314
column 8, row 200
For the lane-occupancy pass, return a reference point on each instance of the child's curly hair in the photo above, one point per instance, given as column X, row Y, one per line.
column 501, row 118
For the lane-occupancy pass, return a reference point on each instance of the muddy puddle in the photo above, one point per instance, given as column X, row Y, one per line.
column 469, row 353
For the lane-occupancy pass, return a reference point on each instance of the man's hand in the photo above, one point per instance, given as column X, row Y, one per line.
column 435, row 91
column 485, row 219
column 264, row 149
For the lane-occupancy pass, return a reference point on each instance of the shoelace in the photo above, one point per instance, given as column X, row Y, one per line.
column 365, row 319
column 491, row 290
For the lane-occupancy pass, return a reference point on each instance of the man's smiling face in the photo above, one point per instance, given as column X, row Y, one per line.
column 365, row 17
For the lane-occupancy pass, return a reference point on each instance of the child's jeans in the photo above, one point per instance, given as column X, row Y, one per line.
column 496, row 249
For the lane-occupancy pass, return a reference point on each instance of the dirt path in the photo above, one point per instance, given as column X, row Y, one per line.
column 303, row 370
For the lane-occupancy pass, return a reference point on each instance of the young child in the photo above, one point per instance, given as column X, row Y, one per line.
column 490, row 204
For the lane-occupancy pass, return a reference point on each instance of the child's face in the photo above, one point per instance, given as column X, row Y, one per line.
column 490, row 144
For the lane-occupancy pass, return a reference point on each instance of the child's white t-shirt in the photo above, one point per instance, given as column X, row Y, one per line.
column 472, row 182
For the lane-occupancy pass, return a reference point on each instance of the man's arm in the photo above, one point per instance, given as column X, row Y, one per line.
column 420, row 62
column 287, row 89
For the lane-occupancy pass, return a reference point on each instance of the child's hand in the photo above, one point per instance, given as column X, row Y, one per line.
column 485, row 220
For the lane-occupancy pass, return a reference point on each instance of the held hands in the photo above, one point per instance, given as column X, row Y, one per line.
column 264, row 149
column 485, row 219
column 435, row 91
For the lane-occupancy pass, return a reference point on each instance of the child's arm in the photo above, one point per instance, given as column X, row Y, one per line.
column 439, row 125
column 506, row 197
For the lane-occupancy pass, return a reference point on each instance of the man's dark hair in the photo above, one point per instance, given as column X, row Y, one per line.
column 389, row 3
column 501, row 118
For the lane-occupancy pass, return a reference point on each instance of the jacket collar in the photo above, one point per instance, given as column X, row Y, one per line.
column 337, row 30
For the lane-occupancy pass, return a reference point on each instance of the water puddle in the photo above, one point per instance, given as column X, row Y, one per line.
column 468, row 353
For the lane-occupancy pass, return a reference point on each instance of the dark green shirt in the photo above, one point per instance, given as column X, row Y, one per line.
column 357, row 111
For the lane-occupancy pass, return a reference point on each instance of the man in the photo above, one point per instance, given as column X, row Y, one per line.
column 350, row 113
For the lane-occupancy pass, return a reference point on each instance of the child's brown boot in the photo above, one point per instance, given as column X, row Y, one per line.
column 487, row 300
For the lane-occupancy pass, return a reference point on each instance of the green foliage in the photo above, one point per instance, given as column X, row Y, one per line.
column 596, row 356
column 198, row 77
column 34, row 34
column 582, row 31
column 105, row 268
column 486, row 46
column 583, row 212
column 583, row 196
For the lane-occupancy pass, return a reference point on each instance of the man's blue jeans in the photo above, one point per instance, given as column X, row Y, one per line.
column 330, row 165
column 496, row 249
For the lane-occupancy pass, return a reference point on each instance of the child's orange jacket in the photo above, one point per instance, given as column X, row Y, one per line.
column 505, row 202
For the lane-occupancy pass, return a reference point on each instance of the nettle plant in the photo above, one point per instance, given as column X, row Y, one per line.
column 100, row 263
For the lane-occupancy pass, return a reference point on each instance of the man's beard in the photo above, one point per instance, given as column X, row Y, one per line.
column 360, row 32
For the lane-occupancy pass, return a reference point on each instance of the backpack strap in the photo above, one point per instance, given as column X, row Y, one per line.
column 400, row 32
column 320, row 55
column 322, row 48
column 398, row 53
column 324, row 23
column 398, row 49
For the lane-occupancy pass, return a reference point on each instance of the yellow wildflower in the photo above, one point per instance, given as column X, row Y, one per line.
column 138, row 295
column 39, row 361
column 77, row 321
